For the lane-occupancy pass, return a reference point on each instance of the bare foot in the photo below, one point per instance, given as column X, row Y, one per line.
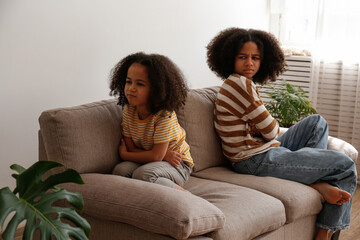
column 323, row 234
column 332, row 194
column 180, row 188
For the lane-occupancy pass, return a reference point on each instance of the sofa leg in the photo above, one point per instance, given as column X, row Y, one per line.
column 336, row 235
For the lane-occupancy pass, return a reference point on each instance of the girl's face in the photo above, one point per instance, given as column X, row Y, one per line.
column 248, row 60
column 137, row 87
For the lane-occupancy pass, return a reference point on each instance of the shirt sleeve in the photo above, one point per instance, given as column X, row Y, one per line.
column 125, row 123
column 166, row 129
column 257, row 113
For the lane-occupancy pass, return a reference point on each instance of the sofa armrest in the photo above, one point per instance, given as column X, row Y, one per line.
column 148, row 206
column 343, row 146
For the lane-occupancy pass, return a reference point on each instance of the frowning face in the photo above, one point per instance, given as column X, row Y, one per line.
column 248, row 60
column 137, row 87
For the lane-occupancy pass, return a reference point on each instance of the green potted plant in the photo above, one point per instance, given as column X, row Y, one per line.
column 34, row 200
column 288, row 103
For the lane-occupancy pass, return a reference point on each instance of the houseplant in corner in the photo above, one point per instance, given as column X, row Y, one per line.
column 33, row 200
column 288, row 103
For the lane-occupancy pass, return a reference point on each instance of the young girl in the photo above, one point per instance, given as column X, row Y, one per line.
column 250, row 135
column 153, row 149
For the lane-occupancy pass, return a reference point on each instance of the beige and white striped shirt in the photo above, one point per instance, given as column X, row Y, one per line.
column 238, row 103
column 158, row 128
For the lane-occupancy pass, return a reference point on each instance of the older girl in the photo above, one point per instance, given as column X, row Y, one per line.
column 250, row 135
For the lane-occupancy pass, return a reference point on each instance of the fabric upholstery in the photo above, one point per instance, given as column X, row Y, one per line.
column 85, row 137
column 197, row 119
column 148, row 206
column 303, row 228
column 248, row 212
column 299, row 200
column 111, row 230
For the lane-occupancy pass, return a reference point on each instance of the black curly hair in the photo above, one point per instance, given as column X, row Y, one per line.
column 224, row 47
column 168, row 87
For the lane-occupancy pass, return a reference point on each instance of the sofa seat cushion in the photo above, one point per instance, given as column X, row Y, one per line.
column 248, row 212
column 148, row 206
column 299, row 200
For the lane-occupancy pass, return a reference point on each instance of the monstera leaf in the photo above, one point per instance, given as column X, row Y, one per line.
column 35, row 204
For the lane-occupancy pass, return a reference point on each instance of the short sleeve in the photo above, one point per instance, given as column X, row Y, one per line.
column 166, row 128
column 125, row 123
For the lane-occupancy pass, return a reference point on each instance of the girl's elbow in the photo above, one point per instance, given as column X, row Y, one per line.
column 270, row 137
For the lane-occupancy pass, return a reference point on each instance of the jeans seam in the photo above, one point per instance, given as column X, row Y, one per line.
column 298, row 166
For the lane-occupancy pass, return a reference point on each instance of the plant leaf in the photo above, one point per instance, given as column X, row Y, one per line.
column 289, row 103
column 35, row 204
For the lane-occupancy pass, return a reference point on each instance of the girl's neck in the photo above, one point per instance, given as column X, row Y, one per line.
column 143, row 113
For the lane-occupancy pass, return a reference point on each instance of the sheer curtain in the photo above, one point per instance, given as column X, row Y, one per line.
column 330, row 30
column 336, row 67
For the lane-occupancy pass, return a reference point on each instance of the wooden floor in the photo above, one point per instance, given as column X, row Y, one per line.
column 354, row 232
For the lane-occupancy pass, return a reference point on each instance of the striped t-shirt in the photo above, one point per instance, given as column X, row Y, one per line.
column 158, row 128
column 238, row 103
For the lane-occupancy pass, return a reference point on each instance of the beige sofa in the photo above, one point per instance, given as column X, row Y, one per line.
column 223, row 204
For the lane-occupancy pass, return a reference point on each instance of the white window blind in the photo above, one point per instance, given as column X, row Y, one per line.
column 299, row 72
column 337, row 99
column 334, row 90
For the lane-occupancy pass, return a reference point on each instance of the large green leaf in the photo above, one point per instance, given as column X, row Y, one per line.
column 35, row 204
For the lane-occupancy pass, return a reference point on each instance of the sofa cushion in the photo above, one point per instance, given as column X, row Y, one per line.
column 299, row 200
column 197, row 119
column 110, row 230
column 248, row 213
column 148, row 206
column 84, row 137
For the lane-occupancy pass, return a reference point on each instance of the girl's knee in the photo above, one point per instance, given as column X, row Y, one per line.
column 138, row 173
column 316, row 119
column 143, row 173
column 125, row 169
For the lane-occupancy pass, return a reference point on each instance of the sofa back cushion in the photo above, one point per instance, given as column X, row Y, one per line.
column 197, row 118
column 85, row 138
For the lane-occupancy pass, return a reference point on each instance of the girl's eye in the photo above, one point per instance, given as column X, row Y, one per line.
column 141, row 84
column 128, row 82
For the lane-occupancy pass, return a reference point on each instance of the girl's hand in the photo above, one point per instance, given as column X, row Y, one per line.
column 122, row 148
column 174, row 158
column 253, row 130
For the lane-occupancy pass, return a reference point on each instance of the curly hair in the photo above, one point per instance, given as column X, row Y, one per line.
column 223, row 49
column 168, row 87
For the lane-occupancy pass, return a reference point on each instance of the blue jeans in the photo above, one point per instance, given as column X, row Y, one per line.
column 303, row 157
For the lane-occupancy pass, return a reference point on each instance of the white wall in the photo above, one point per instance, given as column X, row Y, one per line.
column 57, row 53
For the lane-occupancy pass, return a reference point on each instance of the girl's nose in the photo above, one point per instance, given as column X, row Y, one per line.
column 249, row 61
column 132, row 87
